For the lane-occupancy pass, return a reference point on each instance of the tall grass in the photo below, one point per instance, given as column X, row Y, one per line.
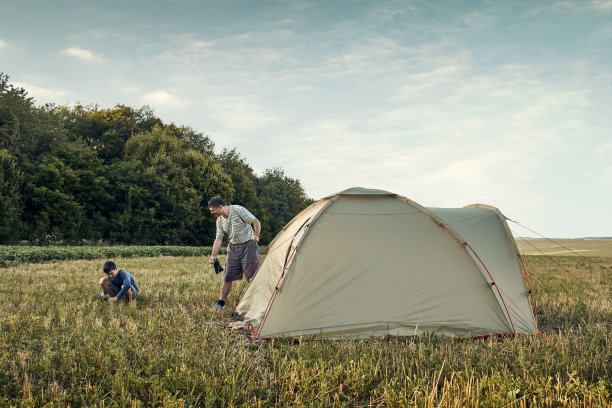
column 61, row 346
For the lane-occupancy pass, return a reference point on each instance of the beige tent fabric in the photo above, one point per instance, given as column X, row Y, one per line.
column 485, row 230
column 257, row 295
column 369, row 263
column 503, row 220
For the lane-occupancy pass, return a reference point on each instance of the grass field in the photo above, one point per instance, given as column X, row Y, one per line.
column 61, row 346
column 600, row 247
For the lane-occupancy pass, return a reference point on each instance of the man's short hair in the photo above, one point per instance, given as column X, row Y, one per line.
column 109, row 266
column 216, row 202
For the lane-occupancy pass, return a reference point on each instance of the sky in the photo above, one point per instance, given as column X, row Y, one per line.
column 448, row 103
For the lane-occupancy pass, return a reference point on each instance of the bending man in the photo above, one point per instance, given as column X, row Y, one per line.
column 242, row 252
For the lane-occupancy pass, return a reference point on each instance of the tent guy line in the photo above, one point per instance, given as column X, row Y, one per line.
column 587, row 284
column 558, row 244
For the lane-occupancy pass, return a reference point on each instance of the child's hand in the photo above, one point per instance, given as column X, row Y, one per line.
column 113, row 300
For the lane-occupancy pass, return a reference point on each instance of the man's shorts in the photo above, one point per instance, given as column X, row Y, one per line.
column 242, row 259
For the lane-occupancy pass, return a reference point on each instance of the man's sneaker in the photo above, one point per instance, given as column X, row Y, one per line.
column 218, row 307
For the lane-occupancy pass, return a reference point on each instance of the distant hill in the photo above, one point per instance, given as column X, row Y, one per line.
column 591, row 246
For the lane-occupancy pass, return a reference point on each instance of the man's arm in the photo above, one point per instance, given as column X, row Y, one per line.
column 215, row 249
column 256, row 229
column 125, row 286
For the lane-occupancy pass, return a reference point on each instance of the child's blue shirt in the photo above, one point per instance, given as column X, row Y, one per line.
column 124, row 281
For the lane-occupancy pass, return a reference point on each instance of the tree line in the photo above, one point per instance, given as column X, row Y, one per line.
column 122, row 176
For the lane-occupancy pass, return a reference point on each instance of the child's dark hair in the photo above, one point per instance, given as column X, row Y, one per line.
column 216, row 202
column 108, row 266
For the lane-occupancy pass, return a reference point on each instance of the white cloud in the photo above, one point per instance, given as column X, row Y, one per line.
column 607, row 175
column 246, row 54
column 607, row 148
column 45, row 95
column 82, row 54
column 124, row 85
column 572, row 8
column 421, row 120
column 162, row 98
column 601, row 5
column 3, row 44
column 479, row 20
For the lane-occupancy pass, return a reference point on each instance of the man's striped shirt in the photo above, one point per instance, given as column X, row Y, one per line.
column 237, row 226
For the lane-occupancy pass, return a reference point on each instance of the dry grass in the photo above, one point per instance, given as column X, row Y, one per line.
column 60, row 346
column 566, row 247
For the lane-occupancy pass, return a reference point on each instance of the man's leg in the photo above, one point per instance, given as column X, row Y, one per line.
column 233, row 270
column 225, row 290
column 108, row 287
column 131, row 294
column 128, row 296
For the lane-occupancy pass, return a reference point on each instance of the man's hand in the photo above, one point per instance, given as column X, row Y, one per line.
column 113, row 300
column 255, row 238
column 212, row 260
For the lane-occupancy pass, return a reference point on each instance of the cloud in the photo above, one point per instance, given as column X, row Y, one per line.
column 605, row 149
column 124, row 85
column 448, row 133
column 572, row 8
column 246, row 54
column 82, row 54
column 162, row 98
column 441, row 115
column 607, row 175
column 479, row 20
column 45, row 95
column 3, row 44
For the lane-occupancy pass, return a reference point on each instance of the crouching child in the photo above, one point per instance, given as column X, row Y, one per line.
column 118, row 284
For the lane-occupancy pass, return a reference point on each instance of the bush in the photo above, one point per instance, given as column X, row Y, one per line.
column 14, row 255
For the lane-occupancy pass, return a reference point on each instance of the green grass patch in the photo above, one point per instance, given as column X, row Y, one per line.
column 15, row 255
column 61, row 346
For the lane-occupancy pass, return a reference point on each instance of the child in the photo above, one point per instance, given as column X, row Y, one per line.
column 119, row 283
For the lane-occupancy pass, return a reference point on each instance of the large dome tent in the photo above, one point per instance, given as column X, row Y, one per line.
column 367, row 262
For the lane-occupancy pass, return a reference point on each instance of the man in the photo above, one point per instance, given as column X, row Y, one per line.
column 118, row 285
column 242, row 252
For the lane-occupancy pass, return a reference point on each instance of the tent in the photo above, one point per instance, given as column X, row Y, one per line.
column 367, row 262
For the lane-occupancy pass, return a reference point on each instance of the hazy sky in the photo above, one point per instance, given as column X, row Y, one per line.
column 449, row 103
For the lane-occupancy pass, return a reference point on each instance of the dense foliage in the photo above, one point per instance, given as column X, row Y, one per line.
column 121, row 176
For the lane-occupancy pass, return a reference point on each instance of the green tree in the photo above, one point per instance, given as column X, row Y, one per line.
column 106, row 131
column 164, row 199
column 282, row 199
column 25, row 130
column 122, row 175
column 11, row 202
column 192, row 139
column 67, row 194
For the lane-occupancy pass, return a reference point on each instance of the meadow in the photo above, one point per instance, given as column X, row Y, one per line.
column 587, row 247
column 61, row 346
